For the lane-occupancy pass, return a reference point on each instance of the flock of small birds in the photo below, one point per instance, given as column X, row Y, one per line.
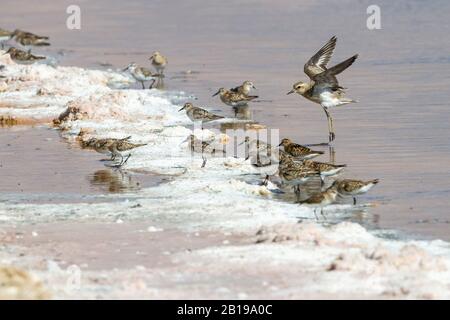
column 26, row 39
column 142, row 74
column 295, row 166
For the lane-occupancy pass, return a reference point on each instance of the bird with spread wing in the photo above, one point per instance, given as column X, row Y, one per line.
column 323, row 87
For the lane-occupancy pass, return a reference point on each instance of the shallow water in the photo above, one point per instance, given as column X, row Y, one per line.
column 38, row 166
column 399, row 130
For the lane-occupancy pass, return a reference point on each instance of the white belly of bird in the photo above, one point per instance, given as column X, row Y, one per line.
column 309, row 156
column 364, row 189
column 331, row 172
column 141, row 77
column 297, row 181
column 328, row 99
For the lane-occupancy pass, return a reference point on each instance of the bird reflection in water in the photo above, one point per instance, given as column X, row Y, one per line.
column 114, row 181
column 159, row 83
column 242, row 112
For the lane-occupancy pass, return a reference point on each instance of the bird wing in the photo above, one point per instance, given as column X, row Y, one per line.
column 146, row 72
column 237, row 97
column 202, row 114
column 236, row 89
column 318, row 62
column 328, row 77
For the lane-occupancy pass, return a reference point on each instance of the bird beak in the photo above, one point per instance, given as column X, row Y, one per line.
column 181, row 109
column 215, row 94
column 292, row 91
column 126, row 69
column 280, row 144
column 254, row 87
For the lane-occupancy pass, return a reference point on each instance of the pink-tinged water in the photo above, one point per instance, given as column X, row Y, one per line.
column 398, row 132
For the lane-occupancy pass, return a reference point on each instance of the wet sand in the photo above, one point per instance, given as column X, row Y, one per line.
column 103, row 246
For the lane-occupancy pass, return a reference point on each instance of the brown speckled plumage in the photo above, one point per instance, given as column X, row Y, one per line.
column 298, row 151
column 199, row 114
column 23, row 56
column 234, row 99
column 30, row 39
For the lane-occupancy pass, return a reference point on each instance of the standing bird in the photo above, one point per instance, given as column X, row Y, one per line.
column 24, row 57
column 119, row 147
column 5, row 35
column 321, row 199
column 298, row 151
column 203, row 147
column 325, row 169
column 158, row 61
column 199, row 114
column 142, row 74
column 244, row 88
column 264, row 158
column 232, row 98
column 29, row 39
column 102, row 145
column 323, row 87
column 296, row 174
column 353, row 188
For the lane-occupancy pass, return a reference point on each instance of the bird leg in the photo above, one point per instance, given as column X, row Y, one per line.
column 265, row 181
column 331, row 134
column 321, row 213
column 143, row 86
column 204, row 162
column 128, row 157
column 151, row 85
column 297, row 192
column 354, row 200
column 332, row 154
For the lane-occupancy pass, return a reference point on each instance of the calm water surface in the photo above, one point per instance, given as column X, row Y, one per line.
column 398, row 132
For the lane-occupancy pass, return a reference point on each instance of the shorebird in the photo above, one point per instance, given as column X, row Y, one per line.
column 352, row 188
column 142, row 74
column 296, row 174
column 264, row 157
column 323, row 87
column 24, row 57
column 102, row 145
column 29, row 39
column 325, row 169
column 298, row 151
column 244, row 88
column 203, row 147
column 199, row 114
column 321, row 199
column 5, row 35
column 119, row 147
column 232, row 98
column 158, row 61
